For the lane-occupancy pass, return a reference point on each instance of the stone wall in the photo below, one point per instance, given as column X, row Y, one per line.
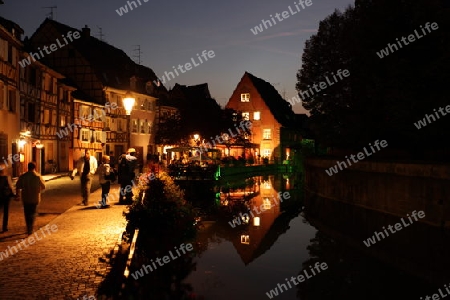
column 388, row 187
column 353, row 204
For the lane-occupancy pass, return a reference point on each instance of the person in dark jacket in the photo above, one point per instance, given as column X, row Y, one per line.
column 30, row 185
column 126, row 169
column 6, row 193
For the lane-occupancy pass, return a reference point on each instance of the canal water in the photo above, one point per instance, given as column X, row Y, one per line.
column 251, row 259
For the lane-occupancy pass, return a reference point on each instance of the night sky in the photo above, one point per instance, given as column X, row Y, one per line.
column 172, row 32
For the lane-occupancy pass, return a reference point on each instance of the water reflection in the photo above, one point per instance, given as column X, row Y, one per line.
column 275, row 240
column 263, row 219
column 353, row 275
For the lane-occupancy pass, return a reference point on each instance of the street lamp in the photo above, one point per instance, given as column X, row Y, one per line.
column 128, row 103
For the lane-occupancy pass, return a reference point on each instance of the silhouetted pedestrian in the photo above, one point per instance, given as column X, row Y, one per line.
column 30, row 185
column 126, row 169
column 104, row 170
column 6, row 193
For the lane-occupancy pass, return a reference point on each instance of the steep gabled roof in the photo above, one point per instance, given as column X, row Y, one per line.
column 112, row 66
column 199, row 91
column 280, row 108
column 10, row 26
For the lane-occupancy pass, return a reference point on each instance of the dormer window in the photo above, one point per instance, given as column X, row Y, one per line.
column 245, row 97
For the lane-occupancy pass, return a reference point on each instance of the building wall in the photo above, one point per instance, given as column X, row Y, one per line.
column 9, row 99
column 267, row 120
column 68, row 61
column 140, row 132
column 88, row 127
column 45, row 106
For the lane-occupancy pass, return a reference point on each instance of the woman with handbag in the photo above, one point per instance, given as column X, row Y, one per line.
column 6, row 193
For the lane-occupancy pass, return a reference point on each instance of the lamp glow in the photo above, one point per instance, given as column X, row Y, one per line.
column 256, row 221
column 22, row 143
column 128, row 103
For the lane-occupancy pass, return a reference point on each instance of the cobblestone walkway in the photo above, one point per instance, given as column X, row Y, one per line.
column 66, row 264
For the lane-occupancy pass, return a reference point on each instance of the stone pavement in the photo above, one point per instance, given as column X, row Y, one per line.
column 67, row 264
column 49, row 177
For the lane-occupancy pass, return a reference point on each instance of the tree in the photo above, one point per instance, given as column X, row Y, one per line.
column 382, row 97
column 169, row 132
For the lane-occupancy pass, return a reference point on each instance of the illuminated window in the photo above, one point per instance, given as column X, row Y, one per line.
column 98, row 137
column 62, row 121
column 245, row 97
column 266, row 204
column 267, row 185
column 245, row 239
column 246, row 116
column 85, row 113
column 142, row 126
column 266, row 153
column 134, row 126
column 99, row 114
column 267, row 134
column 257, row 116
column 85, row 135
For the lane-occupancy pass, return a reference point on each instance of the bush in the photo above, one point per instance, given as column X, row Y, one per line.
column 161, row 210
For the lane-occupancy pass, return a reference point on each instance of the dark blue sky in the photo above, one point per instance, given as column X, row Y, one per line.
column 173, row 32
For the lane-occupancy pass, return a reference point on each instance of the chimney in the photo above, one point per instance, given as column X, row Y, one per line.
column 85, row 32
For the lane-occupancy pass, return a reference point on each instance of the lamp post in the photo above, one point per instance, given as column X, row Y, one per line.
column 128, row 103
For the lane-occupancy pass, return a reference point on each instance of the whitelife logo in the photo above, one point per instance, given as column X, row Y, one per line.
column 439, row 296
column 280, row 17
column 124, row 9
column 90, row 118
column 430, row 118
column 371, row 241
column 30, row 240
column 411, row 38
column 187, row 67
column 334, row 170
column 238, row 219
column 166, row 259
column 53, row 47
column 300, row 278
column 317, row 88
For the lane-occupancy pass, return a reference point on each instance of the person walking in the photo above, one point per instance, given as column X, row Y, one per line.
column 29, row 186
column 126, row 169
column 104, row 170
column 6, row 193
column 86, row 167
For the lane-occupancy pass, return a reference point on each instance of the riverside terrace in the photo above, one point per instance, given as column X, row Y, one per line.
column 201, row 167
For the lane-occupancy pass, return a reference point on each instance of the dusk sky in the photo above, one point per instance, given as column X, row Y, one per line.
column 172, row 32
